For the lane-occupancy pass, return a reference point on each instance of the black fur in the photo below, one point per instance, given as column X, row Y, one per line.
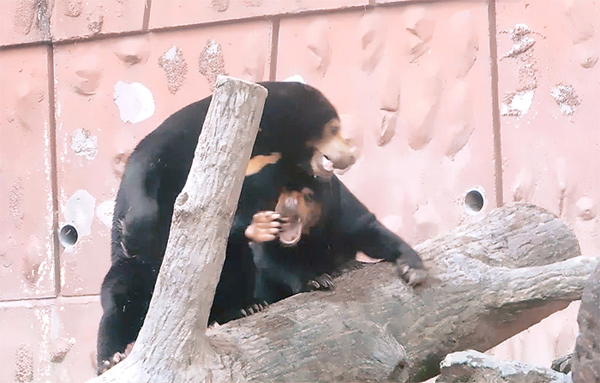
column 235, row 290
column 346, row 227
column 294, row 114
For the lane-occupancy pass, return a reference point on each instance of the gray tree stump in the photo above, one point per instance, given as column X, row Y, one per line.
column 172, row 345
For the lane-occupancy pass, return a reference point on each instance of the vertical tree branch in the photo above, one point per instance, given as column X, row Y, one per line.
column 172, row 344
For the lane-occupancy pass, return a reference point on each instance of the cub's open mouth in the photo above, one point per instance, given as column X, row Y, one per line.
column 291, row 231
column 299, row 212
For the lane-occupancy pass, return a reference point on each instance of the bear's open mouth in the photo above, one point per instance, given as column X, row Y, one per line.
column 322, row 165
column 327, row 164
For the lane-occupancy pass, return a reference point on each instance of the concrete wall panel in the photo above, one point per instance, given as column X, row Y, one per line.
column 77, row 18
column 168, row 13
column 26, row 221
column 549, row 90
column 110, row 94
column 49, row 340
column 412, row 84
column 24, row 348
column 549, row 93
column 24, row 21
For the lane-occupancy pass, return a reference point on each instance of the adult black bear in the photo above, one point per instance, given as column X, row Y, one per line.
column 329, row 225
column 299, row 129
column 297, row 147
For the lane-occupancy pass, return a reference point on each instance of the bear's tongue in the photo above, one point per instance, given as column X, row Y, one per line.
column 327, row 164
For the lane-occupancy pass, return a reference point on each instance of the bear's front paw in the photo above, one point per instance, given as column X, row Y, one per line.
column 412, row 276
column 265, row 226
column 117, row 358
column 322, row 282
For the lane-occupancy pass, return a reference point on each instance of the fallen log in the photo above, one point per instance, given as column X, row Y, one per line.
column 493, row 279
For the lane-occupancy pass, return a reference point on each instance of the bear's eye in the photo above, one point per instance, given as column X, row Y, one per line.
column 335, row 129
column 308, row 195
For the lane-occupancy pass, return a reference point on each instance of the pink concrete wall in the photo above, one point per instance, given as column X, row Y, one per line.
column 441, row 98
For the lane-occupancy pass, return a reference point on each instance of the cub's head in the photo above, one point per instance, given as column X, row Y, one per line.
column 301, row 124
column 300, row 211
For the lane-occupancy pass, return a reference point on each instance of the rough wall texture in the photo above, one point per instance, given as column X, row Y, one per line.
column 456, row 107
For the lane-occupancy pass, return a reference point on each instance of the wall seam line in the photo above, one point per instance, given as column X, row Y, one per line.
column 496, row 124
column 274, row 49
column 146, row 20
column 53, row 167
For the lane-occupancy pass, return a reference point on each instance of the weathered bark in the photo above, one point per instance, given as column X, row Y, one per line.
column 495, row 278
column 586, row 358
column 172, row 346
column 474, row 367
column 584, row 362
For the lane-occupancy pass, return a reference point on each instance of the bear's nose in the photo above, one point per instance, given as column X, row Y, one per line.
column 291, row 203
column 347, row 160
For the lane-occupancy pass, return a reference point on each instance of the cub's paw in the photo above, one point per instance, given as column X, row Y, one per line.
column 265, row 226
column 253, row 309
column 117, row 358
column 412, row 276
column 322, row 282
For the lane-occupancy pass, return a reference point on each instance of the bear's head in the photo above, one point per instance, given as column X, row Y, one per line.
column 301, row 124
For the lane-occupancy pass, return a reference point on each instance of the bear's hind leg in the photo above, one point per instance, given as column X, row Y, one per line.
column 125, row 295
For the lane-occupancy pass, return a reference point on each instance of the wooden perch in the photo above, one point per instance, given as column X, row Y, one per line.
column 170, row 346
column 474, row 367
column 495, row 278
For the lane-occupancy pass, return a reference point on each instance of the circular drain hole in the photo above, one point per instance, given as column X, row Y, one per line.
column 474, row 201
column 68, row 235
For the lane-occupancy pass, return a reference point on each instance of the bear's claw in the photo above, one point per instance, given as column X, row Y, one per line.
column 117, row 358
column 322, row 282
column 411, row 276
column 253, row 309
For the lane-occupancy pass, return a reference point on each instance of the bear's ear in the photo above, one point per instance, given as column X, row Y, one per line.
column 295, row 78
column 308, row 194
